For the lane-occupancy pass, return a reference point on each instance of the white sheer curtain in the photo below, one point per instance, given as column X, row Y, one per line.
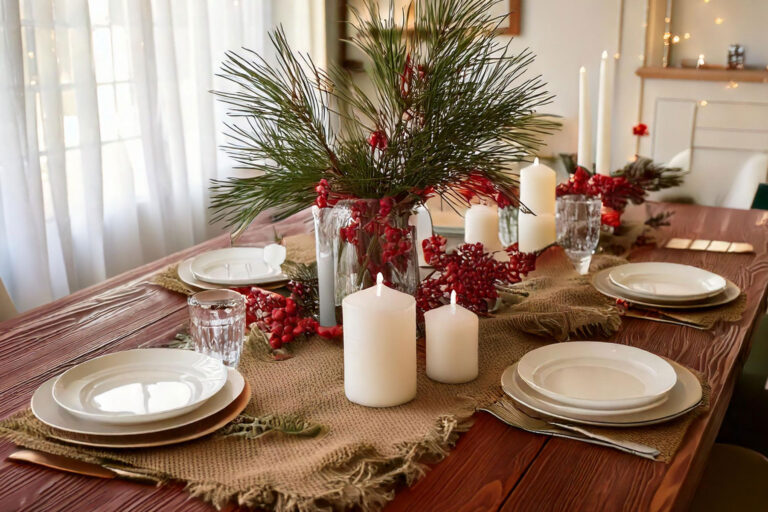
column 109, row 133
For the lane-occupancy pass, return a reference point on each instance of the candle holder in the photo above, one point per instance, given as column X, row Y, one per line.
column 374, row 238
column 326, row 249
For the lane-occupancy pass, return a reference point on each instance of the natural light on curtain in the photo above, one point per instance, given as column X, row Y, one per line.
column 109, row 133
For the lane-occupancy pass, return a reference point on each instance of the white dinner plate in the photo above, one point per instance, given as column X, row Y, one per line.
column 683, row 397
column 139, row 386
column 185, row 274
column 235, row 266
column 45, row 408
column 602, row 283
column 669, row 281
column 597, row 375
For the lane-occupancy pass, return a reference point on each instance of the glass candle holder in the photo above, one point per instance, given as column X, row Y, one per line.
column 217, row 324
column 578, row 228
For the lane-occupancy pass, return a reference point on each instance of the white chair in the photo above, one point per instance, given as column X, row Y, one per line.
column 7, row 309
column 751, row 174
column 717, row 178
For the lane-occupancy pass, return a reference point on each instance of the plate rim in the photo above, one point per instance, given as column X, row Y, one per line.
column 273, row 276
column 668, row 297
column 629, row 424
column 101, row 417
column 613, row 404
column 242, row 400
column 601, row 282
column 146, row 428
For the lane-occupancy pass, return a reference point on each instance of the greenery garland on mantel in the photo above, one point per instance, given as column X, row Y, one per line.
column 451, row 109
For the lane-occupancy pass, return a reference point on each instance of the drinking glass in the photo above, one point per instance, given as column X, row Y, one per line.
column 508, row 225
column 578, row 228
column 217, row 324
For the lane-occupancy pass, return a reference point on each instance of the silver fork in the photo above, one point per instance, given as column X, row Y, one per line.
column 506, row 411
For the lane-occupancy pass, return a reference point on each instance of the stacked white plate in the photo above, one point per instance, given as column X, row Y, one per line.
column 603, row 384
column 234, row 266
column 118, row 400
column 665, row 285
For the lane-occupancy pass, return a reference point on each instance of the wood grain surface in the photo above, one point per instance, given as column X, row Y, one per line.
column 494, row 467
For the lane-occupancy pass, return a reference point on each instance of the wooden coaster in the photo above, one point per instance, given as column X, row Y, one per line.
column 171, row 436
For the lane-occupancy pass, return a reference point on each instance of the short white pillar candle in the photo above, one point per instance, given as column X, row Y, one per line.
column 451, row 343
column 481, row 224
column 379, row 346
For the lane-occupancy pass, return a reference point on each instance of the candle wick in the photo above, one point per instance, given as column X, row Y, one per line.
column 379, row 283
column 453, row 300
column 536, row 161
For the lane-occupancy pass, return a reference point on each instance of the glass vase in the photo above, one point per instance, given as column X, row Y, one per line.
column 372, row 239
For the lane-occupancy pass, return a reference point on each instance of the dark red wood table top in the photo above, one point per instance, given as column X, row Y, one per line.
column 493, row 467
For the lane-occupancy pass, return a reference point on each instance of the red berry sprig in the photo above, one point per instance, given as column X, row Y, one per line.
column 280, row 317
column 471, row 272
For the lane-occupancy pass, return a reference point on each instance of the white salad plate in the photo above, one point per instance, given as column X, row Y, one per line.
column 45, row 408
column 597, row 375
column 683, row 397
column 669, row 281
column 139, row 386
column 236, row 266
column 602, row 283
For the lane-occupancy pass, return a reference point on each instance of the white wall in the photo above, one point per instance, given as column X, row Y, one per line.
column 714, row 25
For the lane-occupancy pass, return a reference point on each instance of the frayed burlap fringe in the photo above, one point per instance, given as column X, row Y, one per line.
column 169, row 279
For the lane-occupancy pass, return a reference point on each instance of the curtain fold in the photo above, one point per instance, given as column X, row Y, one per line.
column 110, row 133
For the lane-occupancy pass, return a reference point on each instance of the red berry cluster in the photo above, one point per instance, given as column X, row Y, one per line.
column 280, row 318
column 615, row 192
column 378, row 140
column 323, row 191
column 393, row 241
column 640, row 129
column 478, row 185
column 471, row 272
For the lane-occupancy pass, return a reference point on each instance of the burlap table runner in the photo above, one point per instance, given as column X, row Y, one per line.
column 365, row 452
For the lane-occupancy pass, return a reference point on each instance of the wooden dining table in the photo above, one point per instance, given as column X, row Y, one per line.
column 493, row 466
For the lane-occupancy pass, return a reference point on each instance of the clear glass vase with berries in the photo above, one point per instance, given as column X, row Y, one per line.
column 374, row 236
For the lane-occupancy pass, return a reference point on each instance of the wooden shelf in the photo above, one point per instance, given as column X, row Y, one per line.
column 713, row 75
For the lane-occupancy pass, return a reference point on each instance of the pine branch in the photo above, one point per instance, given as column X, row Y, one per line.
column 450, row 98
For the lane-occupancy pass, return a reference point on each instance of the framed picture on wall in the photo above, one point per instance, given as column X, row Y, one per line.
column 511, row 8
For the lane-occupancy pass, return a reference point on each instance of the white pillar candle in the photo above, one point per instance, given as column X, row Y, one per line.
column 451, row 343
column 481, row 224
column 537, row 188
column 604, row 102
column 379, row 346
column 584, row 154
column 535, row 232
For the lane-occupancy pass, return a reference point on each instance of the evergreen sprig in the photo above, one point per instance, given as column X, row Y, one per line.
column 451, row 100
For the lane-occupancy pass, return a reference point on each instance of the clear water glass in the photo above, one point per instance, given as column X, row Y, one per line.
column 578, row 228
column 217, row 324
column 508, row 225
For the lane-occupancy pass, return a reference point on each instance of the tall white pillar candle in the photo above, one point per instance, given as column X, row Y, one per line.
column 537, row 188
column 325, row 269
column 535, row 232
column 379, row 346
column 451, row 343
column 584, row 154
column 481, row 224
column 604, row 102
